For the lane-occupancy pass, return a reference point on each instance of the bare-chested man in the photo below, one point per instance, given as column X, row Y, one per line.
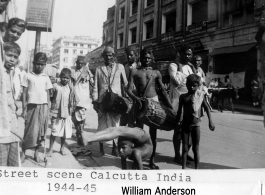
column 133, row 143
column 139, row 78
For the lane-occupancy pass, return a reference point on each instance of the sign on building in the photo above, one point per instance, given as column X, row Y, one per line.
column 39, row 15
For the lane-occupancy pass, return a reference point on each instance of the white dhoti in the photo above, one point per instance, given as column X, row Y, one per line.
column 61, row 127
column 108, row 119
column 175, row 94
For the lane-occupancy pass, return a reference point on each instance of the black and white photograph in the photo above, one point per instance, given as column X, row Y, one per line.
column 149, row 85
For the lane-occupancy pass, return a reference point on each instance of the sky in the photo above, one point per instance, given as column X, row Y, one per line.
column 71, row 18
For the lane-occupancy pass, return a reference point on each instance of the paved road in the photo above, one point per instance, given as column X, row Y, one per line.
column 236, row 143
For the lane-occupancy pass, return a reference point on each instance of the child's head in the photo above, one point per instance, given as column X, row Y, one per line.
column 193, row 83
column 12, row 52
column 65, row 76
column 125, row 147
column 39, row 62
column 15, row 28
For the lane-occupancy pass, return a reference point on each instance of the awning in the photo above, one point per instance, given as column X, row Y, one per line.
column 235, row 49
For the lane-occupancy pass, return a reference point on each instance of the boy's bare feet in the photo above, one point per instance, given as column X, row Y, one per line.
column 49, row 153
column 153, row 166
column 62, row 151
column 22, row 157
column 36, row 157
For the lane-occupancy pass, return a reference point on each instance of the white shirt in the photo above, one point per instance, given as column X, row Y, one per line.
column 37, row 85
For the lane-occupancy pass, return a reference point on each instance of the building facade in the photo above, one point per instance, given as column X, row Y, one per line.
column 66, row 49
column 222, row 32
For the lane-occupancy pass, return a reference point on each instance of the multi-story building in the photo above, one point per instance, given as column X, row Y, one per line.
column 221, row 31
column 66, row 49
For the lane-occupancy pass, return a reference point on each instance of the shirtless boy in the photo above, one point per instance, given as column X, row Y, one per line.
column 133, row 143
column 191, row 103
column 139, row 78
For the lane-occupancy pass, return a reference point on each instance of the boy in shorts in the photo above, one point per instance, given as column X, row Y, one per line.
column 191, row 103
column 60, row 110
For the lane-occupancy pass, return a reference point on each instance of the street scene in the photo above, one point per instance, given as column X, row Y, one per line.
column 132, row 85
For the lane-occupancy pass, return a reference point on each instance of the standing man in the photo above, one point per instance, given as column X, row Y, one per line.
column 132, row 64
column 82, row 79
column 198, row 69
column 178, row 75
column 108, row 76
column 140, row 78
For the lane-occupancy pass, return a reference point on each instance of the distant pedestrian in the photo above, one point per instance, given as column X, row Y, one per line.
column 191, row 104
column 60, row 113
column 10, row 135
column 227, row 81
column 255, row 90
column 36, row 86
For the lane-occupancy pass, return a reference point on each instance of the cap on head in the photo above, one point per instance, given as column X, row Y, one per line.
column 80, row 58
column 65, row 73
column 40, row 57
column 108, row 49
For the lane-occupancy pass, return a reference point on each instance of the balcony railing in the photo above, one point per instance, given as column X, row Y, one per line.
column 168, row 36
column 149, row 9
column 133, row 18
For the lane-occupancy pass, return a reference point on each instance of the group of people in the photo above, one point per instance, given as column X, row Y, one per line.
column 186, row 98
column 65, row 102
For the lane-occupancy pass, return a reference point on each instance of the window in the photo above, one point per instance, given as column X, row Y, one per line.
column 66, row 51
column 149, row 2
column 134, row 7
column 66, row 44
column 122, row 14
column 120, row 40
column 197, row 12
column 132, row 36
column 74, row 44
column 74, row 51
column 148, row 30
column 81, row 45
column 169, row 22
column 65, row 60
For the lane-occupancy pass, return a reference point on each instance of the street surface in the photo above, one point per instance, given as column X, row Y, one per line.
column 236, row 143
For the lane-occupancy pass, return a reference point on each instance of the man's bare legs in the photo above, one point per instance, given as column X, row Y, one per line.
column 52, row 139
column 62, row 151
column 153, row 135
column 176, row 144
